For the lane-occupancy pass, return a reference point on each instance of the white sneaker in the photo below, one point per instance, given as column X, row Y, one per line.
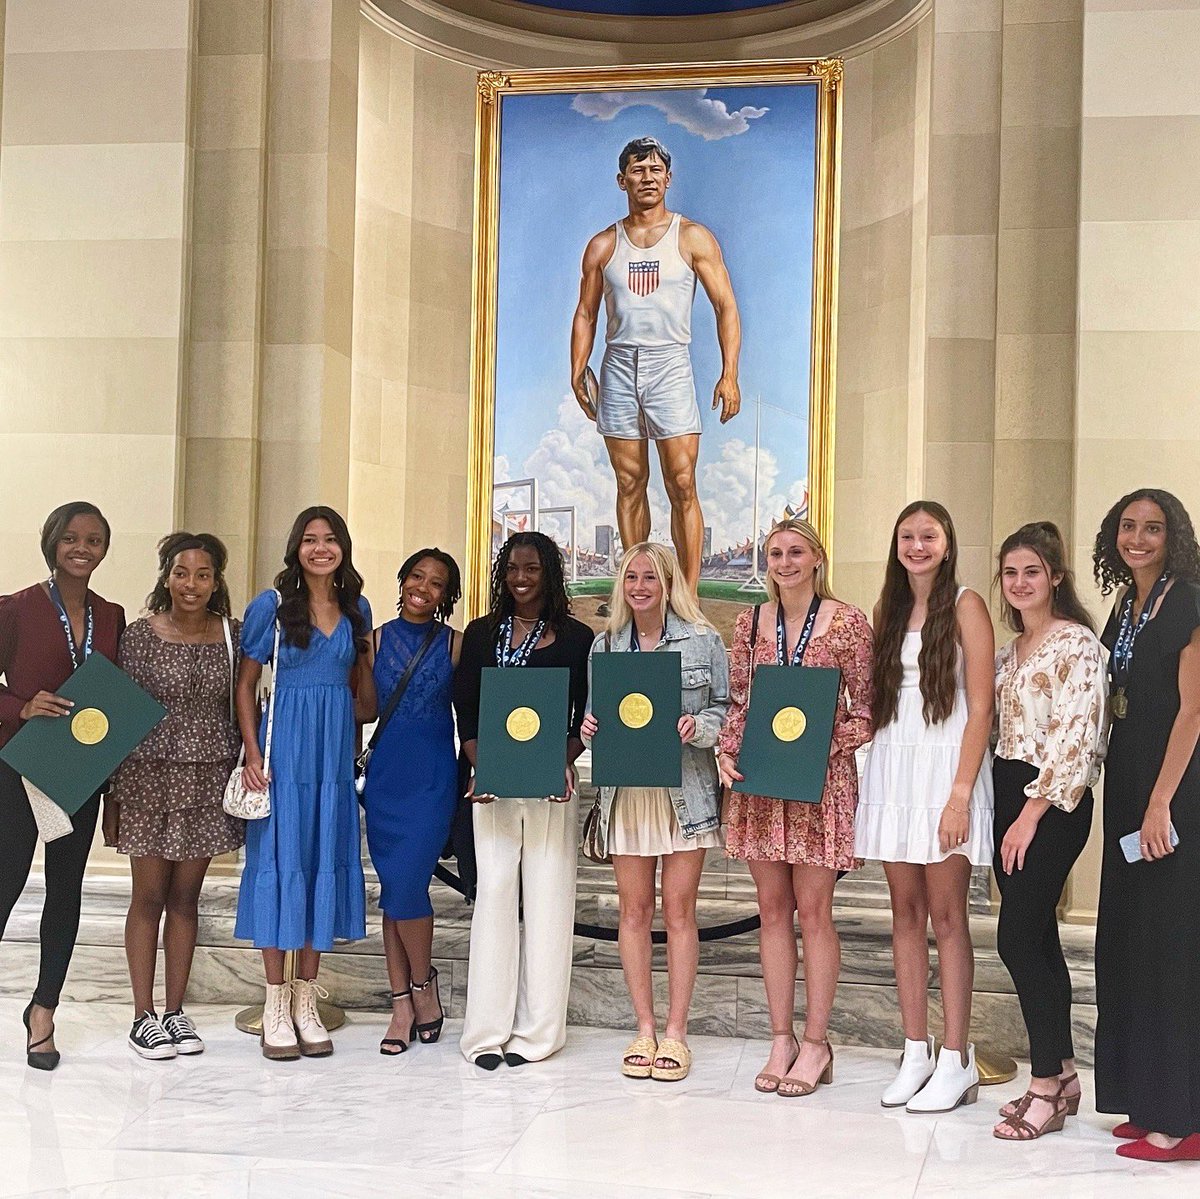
column 916, row 1068
column 148, row 1038
column 952, row 1083
column 278, row 1033
column 312, row 1035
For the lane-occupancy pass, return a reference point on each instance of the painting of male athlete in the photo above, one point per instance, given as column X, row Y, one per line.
column 656, row 361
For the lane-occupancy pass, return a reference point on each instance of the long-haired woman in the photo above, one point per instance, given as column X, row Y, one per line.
column 412, row 784
column 1148, row 925
column 795, row 850
column 1050, row 700
column 46, row 631
column 167, row 793
column 302, row 884
column 526, row 849
column 926, row 806
column 652, row 608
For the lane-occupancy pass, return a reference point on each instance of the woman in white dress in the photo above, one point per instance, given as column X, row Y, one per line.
column 925, row 807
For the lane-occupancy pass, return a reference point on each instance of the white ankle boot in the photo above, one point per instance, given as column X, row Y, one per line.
column 916, row 1067
column 952, row 1083
column 310, row 1032
column 278, row 1033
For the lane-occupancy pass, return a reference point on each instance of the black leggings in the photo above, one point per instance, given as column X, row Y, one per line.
column 65, row 861
column 1027, row 930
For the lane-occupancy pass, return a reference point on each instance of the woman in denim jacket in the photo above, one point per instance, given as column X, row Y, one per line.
column 653, row 609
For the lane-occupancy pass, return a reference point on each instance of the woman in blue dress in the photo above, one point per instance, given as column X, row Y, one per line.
column 412, row 786
column 302, row 884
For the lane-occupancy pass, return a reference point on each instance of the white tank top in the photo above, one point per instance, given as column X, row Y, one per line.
column 648, row 293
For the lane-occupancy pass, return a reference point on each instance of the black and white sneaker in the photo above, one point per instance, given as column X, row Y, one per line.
column 149, row 1039
column 182, row 1032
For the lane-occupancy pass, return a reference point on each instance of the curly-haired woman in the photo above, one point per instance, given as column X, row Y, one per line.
column 526, row 849
column 1148, row 925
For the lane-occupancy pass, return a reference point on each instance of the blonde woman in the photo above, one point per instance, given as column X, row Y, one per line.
column 795, row 850
column 653, row 609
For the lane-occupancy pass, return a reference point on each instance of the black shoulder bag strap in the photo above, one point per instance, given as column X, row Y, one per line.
column 754, row 637
column 397, row 695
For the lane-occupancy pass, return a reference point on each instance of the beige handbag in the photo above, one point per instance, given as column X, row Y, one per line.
column 239, row 800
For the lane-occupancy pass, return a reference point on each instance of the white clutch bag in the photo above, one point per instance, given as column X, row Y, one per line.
column 239, row 800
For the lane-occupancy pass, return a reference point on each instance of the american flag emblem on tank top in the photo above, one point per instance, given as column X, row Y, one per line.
column 643, row 277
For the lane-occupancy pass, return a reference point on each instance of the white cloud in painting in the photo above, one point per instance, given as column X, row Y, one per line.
column 726, row 489
column 691, row 108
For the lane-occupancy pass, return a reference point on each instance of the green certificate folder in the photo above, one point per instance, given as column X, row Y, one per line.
column 522, row 747
column 789, row 728
column 70, row 757
column 636, row 699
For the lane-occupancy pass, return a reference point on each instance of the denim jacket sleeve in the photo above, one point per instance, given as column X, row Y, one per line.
column 710, row 718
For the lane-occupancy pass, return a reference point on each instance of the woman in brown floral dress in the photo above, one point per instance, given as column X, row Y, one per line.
column 795, row 850
column 168, row 793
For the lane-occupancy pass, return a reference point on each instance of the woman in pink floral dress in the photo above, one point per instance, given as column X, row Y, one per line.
column 795, row 850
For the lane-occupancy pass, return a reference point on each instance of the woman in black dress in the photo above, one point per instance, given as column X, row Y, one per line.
column 1148, row 931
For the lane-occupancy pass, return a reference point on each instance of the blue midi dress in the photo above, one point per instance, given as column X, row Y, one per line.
column 302, row 882
column 412, row 782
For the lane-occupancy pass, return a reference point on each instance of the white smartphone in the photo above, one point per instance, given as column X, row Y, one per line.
column 1131, row 844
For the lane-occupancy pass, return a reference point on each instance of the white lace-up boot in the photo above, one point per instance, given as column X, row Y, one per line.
column 916, row 1068
column 278, row 1032
column 952, row 1083
column 310, row 1032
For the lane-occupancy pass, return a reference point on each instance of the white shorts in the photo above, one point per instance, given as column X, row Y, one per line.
column 647, row 392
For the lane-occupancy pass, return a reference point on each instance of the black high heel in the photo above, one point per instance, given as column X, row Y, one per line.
column 46, row 1059
column 431, row 1029
column 396, row 1040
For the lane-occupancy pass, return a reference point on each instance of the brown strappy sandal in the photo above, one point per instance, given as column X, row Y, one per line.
column 1072, row 1100
column 796, row 1087
column 1023, row 1130
column 768, row 1084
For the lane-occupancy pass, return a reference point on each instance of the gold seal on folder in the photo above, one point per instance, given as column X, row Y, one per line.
column 789, row 724
column 89, row 726
column 523, row 724
column 635, row 710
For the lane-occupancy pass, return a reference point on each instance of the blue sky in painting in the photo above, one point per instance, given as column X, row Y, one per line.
column 744, row 167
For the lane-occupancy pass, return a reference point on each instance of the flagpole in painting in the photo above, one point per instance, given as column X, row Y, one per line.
column 754, row 583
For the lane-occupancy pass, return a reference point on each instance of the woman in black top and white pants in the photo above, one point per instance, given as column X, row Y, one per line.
column 526, row 849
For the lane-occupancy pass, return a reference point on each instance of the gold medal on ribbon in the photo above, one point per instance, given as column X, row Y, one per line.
column 1120, row 703
column 523, row 724
column 789, row 724
column 89, row 726
column 635, row 710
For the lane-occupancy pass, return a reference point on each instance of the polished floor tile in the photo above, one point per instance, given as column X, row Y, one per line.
column 228, row 1123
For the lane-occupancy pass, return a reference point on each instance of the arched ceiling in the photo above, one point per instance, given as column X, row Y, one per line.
column 653, row 8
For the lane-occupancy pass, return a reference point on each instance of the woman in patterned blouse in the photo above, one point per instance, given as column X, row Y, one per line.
column 1050, row 704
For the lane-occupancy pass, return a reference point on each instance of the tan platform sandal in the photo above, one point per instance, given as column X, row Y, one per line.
column 671, row 1050
column 794, row 1088
column 1023, row 1130
column 646, row 1047
column 768, row 1084
column 1072, row 1100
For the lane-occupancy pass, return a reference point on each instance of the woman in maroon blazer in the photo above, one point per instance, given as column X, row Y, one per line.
column 46, row 631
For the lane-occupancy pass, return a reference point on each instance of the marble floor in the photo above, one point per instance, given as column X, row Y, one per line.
column 229, row 1123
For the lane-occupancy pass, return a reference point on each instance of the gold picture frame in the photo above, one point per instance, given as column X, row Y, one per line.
column 826, row 75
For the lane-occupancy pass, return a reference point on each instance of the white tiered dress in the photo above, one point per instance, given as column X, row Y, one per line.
column 910, row 769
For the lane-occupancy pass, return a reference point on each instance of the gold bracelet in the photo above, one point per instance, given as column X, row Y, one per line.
column 960, row 811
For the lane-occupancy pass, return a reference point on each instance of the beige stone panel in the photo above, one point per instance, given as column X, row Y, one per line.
column 1042, row 71
column 344, row 37
column 343, row 113
column 374, row 72
column 877, row 347
column 93, row 193
column 1139, row 275
column 300, row 29
column 1038, row 12
column 377, row 504
column 1146, row 383
column 341, row 205
column 117, row 96
column 1141, row 169
column 298, row 200
column 1036, row 290
column 962, row 286
column 436, row 439
column 229, row 101
column 299, row 108
column 441, row 265
column 366, row 411
column 966, row 83
column 1035, row 385
column 220, row 483
column 335, row 427
column 1033, row 481
column 890, row 273
column 90, row 289
column 224, row 293
column 1039, row 177
column 293, row 393
column 958, row 475
column 856, row 141
column 295, row 296
column 232, row 26
column 1131, row 6
column 1164, row 82
column 893, row 86
column 447, row 126
column 439, row 351
column 976, row 566
column 892, row 176
column 339, row 303
column 968, row 16
column 58, row 26
column 849, row 439
column 959, row 388
column 393, row 421
column 854, row 262
column 221, row 385
column 965, row 169
column 226, row 197
column 435, row 509
column 885, row 428
column 88, row 385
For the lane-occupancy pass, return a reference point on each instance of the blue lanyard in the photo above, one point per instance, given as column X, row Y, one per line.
column 506, row 655
column 805, row 634
column 1120, row 664
column 89, row 626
